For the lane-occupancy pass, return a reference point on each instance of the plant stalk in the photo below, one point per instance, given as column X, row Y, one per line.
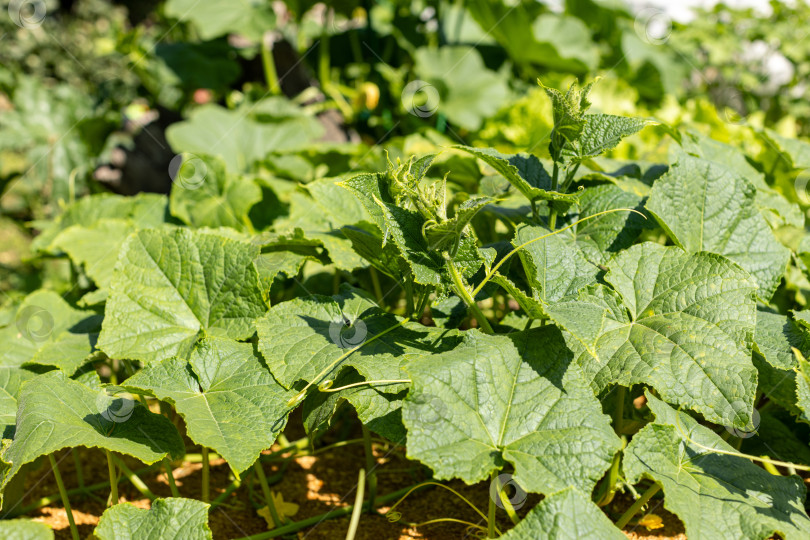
column 167, row 464
column 113, row 479
column 134, row 479
column 644, row 499
column 552, row 215
column 371, row 465
column 206, row 474
column 358, row 505
column 268, row 495
column 74, row 532
column 493, row 477
column 269, row 65
column 79, row 469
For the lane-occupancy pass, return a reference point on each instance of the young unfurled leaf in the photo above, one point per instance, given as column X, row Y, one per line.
column 682, row 323
column 227, row 397
column 56, row 412
column 715, row 495
column 167, row 519
column 520, row 399
column 704, row 206
column 565, row 515
column 569, row 112
column 171, row 286
column 406, row 224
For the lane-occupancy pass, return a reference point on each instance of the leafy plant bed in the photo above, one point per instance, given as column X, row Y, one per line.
column 579, row 341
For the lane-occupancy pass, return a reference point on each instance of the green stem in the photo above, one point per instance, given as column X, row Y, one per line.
column 270, row 74
column 79, row 470
column 74, row 532
column 113, row 479
column 167, row 464
column 268, row 496
column 493, row 477
column 618, row 411
column 233, row 486
column 645, row 497
column 371, row 463
column 206, row 475
column 324, row 56
column 420, row 310
column 134, row 479
column 332, row 514
column 507, row 504
column 552, row 216
column 375, row 282
column 461, row 290
column 408, row 286
column 607, row 490
column 358, row 505
column 535, row 215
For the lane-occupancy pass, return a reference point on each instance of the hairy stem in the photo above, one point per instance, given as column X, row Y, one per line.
column 134, row 479
column 74, row 532
column 461, row 290
column 552, row 215
column 269, row 65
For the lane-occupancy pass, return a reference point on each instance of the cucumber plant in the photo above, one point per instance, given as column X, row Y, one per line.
column 570, row 327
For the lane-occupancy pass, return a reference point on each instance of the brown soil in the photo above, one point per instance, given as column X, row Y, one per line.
column 317, row 484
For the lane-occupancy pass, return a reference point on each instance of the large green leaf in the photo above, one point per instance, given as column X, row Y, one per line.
column 242, row 136
column 48, row 330
column 519, row 399
column 555, row 267
column 523, row 171
column 715, row 495
column 704, row 206
column 602, row 236
column 172, row 286
column 167, row 519
column 11, row 380
column 467, row 91
column 143, row 210
column 602, row 132
column 303, row 337
column 228, row 399
column 56, row 412
column 249, row 18
column 555, row 41
column 682, row 323
column 204, row 194
column 25, row 529
column 565, row 515
column 95, row 247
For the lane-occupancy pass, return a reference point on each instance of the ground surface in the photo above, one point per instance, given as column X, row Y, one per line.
column 317, row 484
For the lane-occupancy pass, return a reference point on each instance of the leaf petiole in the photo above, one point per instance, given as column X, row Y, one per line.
column 74, row 532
